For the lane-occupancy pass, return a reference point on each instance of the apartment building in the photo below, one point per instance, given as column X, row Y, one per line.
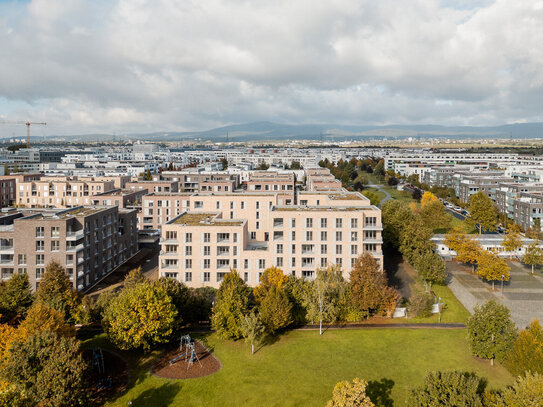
column 121, row 198
column 195, row 180
column 153, row 186
column 89, row 241
column 59, row 192
column 527, row 209
column 251, row 232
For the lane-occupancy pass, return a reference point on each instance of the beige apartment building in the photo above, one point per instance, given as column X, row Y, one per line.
column 250, row 232
column 90, row 242
column 60, row 192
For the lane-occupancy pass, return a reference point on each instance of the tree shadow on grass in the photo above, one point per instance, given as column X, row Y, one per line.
column 157, row 396
column 379, row 392
column 267, row 340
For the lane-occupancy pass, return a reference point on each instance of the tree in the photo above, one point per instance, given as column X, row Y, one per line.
column 180, row 296
column 272, row 276
column 533, row 255
column 434, row 216
column 55, row 288
column 230, row 306
column 491, row 267
column 350, row 394
column 15, row 296
column 372, row 196
column 482, row 212
column 512, row 240
column 450, row 388
column 40, row 317
column 327, row 290
column 379, row 169
column 134, row 277
column 396, row 215
column 140, row 317
column 491, row 332
column 370, row 291
column 416, row 195
column 224, row 163
column 275, row 309
column 148, row 176
column 431, row 268
column 252, row 329
column 526, row 355
column 298, row 291
column 468, row 251
column 420, row 304
column 428, row 198
column 414, row 239
column 48, row 369
column 526, row 392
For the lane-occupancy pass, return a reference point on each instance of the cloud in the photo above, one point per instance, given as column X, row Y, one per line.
column 145, row 65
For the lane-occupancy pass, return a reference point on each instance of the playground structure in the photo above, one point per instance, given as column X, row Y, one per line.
column 98, row 363
column 190, row 355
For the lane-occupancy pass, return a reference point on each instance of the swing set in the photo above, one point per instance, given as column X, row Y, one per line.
column 189, row 355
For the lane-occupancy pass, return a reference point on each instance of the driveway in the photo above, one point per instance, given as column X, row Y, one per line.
column 523, row 294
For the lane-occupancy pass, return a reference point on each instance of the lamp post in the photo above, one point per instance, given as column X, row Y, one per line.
column 503, row 276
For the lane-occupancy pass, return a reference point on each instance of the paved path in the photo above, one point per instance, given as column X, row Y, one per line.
column 380, row 188
column 523, row 295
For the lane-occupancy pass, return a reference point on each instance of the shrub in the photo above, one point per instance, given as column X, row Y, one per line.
column 420, row 305
column 350, row 394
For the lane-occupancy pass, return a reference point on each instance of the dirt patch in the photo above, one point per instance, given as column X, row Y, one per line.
column 108, row 375
column 181, row 368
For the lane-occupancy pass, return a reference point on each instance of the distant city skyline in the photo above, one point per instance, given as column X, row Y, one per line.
column 149, row 66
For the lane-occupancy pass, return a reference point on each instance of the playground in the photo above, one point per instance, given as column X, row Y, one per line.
column 188, row 360
column 108, row 374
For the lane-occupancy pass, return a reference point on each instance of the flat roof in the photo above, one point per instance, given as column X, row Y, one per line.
column 323, row 208
column 204, row 219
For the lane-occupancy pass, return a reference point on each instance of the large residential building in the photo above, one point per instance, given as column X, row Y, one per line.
column 90, row 242
column 253, row 231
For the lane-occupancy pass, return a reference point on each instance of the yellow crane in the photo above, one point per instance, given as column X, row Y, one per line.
column 27, row 123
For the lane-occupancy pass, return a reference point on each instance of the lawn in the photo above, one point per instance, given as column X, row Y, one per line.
column 301, row 368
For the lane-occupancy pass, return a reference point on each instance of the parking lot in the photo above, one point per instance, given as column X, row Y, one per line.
column 523, row 294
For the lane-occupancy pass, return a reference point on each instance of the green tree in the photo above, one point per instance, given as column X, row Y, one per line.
column 55, row 288
column 140, row 317
column 275, row 309
column 370, row 291
column 148, row 176
column 415, row 239
column 224, row 163
column 396, row 215
column 350, row 394
column 252, row 329
column 134, row 277
column 482, row 212
column 15, row 296
column 40, row 317
column 526, row 355
column 491, row 267
column 431, row 268
column 372, row 196
column 512, row 240
column 420, row 304
column 434, row 216
column 491, row 332
column 379, row 169
column 298, row 290
column 181, row 298
column 48, row 369
column 230, row 306
column 327, row 290
column 533, row 255
column 526, row 392
column 448, row 389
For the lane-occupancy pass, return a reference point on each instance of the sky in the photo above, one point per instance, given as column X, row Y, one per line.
column 119, row 67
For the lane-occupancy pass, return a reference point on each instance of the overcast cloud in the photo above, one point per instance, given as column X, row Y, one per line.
column 157, row 65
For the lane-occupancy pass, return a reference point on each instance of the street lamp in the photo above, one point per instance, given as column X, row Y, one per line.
column 503, row 276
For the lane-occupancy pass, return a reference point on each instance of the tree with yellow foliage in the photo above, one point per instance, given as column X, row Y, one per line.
column 40, row 317
column 512, row 240
column 272, row 276
column 466, row 247
column 492, row 267
column 428, row 198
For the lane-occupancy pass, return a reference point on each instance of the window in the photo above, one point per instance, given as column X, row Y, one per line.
column 293, row 223
column 262, row 264
column 370, row 247
column 293, row 249
column 221, row 250
column 339, row 249
column 279, row 249
column 257, row 205
column 257, row 223
column 293, row 235
column 207, row 263
column 324, row 262
column 218, row 205
column 188, row 237
column 354, row 236
column 353, row 262
column 339, row 261
column 55, row 231
column 207, row 250
column 21, row 259
column 40, row 245
column 339, row 237
column 339, row 222
column 370, row 234
column 309, row 223
column 279, row 262
column 246, row 277
column 231, row 205
column 39, row 272
column 222, row 237
column 207, row 237
column 207, row 276
column 324, row 236
column 309, row 235
column 55, row 245
column 371, row 221
column 253, row 235
column 242, row 205
column 293, row 262
column 324, row 223
column 188, row 251
column 40, row 232
column 171, row 234
column 354, row 223
column 198, row 205
column 188, row 276
column 188, row 263
column 235, row 237
column 324, row 249
column 40, row 259
column 246, row 263
column 354, row 249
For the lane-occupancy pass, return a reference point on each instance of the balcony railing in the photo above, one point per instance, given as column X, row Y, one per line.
column 71, row 236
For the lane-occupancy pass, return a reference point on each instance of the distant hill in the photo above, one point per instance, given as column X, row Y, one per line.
column 264, row 130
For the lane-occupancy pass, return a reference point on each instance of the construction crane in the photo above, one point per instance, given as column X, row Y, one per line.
column 27, row 129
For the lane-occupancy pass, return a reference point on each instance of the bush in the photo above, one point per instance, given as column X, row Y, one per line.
column 350, row 394
column 420, row 305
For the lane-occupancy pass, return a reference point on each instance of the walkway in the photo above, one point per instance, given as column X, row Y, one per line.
column 382, row 189
column 523, row 295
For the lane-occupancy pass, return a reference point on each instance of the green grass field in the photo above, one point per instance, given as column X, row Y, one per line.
column 301, row 368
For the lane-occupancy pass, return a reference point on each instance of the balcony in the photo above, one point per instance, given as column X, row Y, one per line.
column 169, row 266
column 73, row 236
column 169, row 241
column 72, row 249
column 6, row 249
column 168, row 254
